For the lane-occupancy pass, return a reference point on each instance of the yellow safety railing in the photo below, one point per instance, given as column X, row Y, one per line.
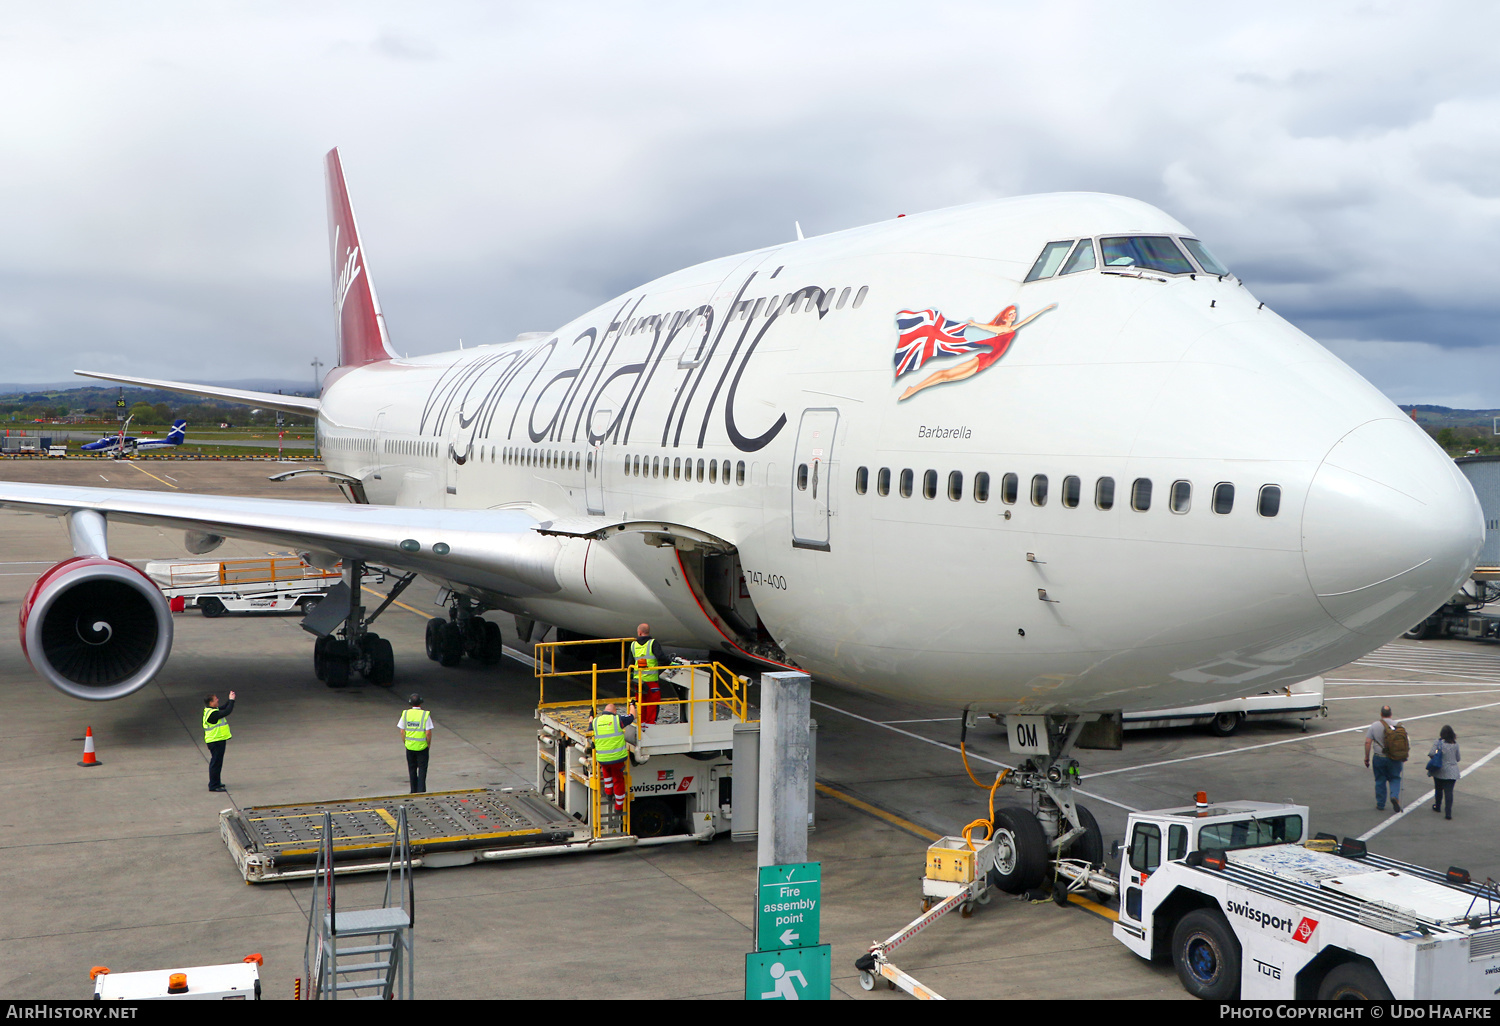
column 545, row 658
column 728, row 693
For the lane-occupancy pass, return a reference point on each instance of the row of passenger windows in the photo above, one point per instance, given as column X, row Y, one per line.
column 1179, row 495
column 348, row 444
column 410, row 447
column 550, row 459
column 1151, row 252
column 678, row 469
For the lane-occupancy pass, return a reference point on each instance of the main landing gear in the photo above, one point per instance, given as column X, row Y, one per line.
column 1052, row 831
column 352, row 647
column 465, row 632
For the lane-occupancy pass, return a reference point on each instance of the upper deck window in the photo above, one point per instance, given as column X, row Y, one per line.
column 1204, row 257
column 1151, row 252
column 1051, row 259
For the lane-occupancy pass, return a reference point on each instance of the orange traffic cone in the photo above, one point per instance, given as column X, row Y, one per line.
column 88, row 750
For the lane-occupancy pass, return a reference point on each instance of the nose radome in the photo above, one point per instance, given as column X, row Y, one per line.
column 1391, row 528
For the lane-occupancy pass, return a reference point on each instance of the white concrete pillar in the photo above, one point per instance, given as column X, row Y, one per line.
column 786, row 769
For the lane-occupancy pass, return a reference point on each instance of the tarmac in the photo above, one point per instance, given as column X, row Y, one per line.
column 122, row 865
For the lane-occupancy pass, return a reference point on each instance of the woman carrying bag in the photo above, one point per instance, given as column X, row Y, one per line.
column 1442, row 767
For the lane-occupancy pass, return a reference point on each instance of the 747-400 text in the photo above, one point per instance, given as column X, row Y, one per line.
column 768, row 580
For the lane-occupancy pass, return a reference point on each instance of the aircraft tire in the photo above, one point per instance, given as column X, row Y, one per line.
column 1225, row 723
column 435, row 638
column 381, row 661
column 450, row 645
column 1207, row 955
column 1022, row 859
column 1090, row 847
column 336, row 663
column 492, row 647
column 320, row 657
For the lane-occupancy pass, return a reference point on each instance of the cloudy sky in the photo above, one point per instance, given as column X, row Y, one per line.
column 161, row 193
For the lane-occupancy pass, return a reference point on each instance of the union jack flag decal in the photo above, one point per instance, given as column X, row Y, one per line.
column 925, row 334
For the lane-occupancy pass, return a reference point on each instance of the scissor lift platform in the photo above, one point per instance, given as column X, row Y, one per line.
column 448, row 828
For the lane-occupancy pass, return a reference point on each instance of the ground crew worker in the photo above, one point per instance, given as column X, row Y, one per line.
column 216, row 735
column 610, row 753
column 643, row 654
column 415, row 725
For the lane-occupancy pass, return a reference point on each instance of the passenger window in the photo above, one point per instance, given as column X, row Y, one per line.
column 700, row 470
column 1182, row 496
column 724, row 475
column 1176, row 842
column 861, row 480
column 1072, row 488
column 1140, row 494
column 1082, row 258
column 589, row 461
column 627, row 466
column 982, row 487
column 1145, row 847
column 1270, row 500
column 637, row 466
column 955, row 485
column 655, row 466
column 906, row 481
column 883, row 481
column 1010, row 486
column 1223, row 497
column 713, row 471
column 677, row 470
column 929, row 485
column 1152, row 252
column 1039, row 490
column 859, row 297
column 1104, row 493
column 1051, row 259
column 843, row 298
column 739, row 472
column 1204, row 257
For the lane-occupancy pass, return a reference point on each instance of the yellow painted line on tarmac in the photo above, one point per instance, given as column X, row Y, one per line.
column 1094, row 907
column 148, row 473
column 398, row 602
column 878, row 813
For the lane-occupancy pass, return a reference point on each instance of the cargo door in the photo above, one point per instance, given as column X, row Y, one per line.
column 813, row 479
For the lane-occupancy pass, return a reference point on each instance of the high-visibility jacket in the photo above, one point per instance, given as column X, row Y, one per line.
column 609, row 738
column 214, row 731
column 645, row 660
column 415, row 723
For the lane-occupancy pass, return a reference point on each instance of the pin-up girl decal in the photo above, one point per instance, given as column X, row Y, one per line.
column 1002, row 331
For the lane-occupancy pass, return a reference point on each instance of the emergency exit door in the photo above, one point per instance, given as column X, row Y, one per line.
column 812, row 479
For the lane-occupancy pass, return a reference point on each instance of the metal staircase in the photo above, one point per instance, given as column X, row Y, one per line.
column 365, row 954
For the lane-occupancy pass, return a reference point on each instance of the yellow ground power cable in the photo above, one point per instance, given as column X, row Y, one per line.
column 988, row 824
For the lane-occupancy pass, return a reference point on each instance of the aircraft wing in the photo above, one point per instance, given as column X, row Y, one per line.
column 499, row 550
column 270, row 400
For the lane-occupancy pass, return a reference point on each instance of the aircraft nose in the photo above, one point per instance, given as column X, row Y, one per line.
column 1391, row 528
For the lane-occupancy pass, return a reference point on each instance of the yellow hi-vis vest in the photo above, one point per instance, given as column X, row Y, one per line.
column 414, row 726
column 609, row 738
column 214, row 731
column 645, row 660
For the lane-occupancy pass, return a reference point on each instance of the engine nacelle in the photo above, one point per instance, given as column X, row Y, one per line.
column 96, row 628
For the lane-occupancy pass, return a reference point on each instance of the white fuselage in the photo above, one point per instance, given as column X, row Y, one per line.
column 1004, row 605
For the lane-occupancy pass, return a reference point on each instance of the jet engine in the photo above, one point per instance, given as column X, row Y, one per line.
column 96, row 628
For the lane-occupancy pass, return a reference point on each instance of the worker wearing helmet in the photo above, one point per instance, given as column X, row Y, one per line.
column 415, row 725
column 643, row 656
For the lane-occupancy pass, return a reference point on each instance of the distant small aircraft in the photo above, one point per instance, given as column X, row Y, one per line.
column 128, row 443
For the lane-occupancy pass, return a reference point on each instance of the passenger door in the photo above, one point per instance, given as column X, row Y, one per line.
column 813, row 479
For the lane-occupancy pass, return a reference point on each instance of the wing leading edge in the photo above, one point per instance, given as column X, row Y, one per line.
column 498, row 550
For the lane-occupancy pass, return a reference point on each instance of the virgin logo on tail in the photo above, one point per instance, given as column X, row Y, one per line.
column 347, row 273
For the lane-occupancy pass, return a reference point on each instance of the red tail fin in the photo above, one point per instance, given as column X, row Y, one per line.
column 356, row 312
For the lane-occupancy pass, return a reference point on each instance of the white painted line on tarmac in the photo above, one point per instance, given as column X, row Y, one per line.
column 935, row 719
column 1422, row 801
column 1410, row 694
column 971, row 755
column 1407, row 683
column 1285, row 741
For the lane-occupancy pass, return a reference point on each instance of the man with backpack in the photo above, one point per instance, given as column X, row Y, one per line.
column 1392, row 747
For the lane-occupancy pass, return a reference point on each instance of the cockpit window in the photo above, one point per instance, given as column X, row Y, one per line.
column 1150, row 252
column 1082, row 258
column 1052, row 257
column 1204, row 257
